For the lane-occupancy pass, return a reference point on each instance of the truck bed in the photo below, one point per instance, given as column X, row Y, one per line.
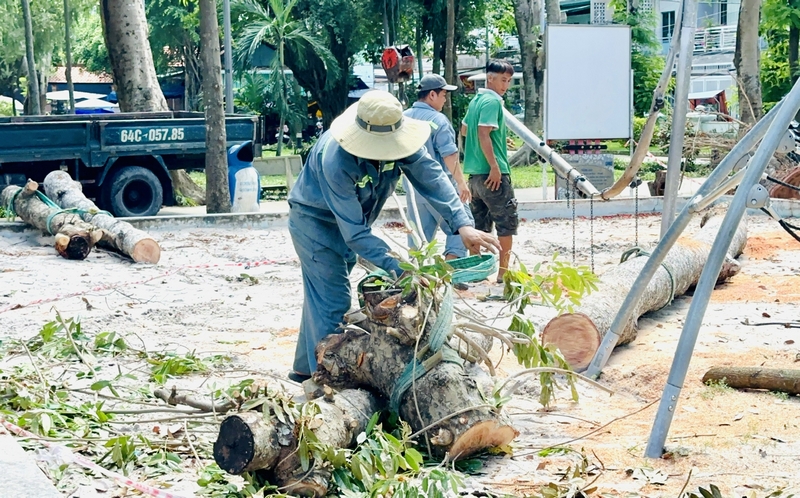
column 93, row 138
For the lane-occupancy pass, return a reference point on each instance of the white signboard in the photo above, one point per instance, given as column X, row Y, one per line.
column 588, row 87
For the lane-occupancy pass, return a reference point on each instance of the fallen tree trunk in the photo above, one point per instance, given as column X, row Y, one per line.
column 578, row 335
column 771, row 379
column 74, row 237
column 130, row 241
column 445, row 403
column 250, row 441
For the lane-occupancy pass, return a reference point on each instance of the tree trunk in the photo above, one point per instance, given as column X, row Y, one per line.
column 250, row 441
column 794, row 41
column 746, row 61
column 418, row 45
column 136, row 244
column 449, row 55
column 218, row 197
column 74, row 237
column 771, row 379
column 68, row 53
column 527, row 16
column 125, row 32
column 438, row 44
column 376, row 353
column 33, row 81
column 553, row 12
column 578, row 335
column 192, row 75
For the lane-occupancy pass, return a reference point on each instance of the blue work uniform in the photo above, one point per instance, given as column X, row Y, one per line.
column 336, row 199
column 440, row 144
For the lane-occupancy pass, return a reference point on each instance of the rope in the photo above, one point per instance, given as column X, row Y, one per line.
column 58, row 210
column 638, row 251
column 784, row 184
column 439, row 333
column 70, row 457
column 10, row 207
column 473, row 268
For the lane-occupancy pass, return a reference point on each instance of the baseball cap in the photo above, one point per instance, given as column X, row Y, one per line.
column 434, row 82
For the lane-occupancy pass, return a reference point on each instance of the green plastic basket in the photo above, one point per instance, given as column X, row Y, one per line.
column 473, row 268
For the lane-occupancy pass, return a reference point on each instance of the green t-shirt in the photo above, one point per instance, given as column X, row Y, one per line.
column 486, row 109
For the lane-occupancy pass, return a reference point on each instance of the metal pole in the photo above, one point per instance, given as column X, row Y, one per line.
column 625, row 313
column 226, row 14
column 561, row 166
column 679, row 113
column 708, row 278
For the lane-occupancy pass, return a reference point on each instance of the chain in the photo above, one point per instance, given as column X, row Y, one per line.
column 572, row 198
column 636, row 213
column 591, row 229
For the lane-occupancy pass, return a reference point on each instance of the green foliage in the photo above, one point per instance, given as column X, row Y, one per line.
column 275, row 24
column 6, row 109
column 382, row 464
column 646, row 62
column 556, row 284
column 716, row 388
column 89, row 47
column 164, row 366
column 777, row 16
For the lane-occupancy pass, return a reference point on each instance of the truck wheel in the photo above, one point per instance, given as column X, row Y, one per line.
column 134, row 191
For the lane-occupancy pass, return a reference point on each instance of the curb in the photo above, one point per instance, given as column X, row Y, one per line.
column 528, row 210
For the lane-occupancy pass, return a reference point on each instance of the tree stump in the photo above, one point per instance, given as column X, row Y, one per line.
column 250, row 441
column 124, row 238
column 74, row 237
column 445, row 402
column 579, row 337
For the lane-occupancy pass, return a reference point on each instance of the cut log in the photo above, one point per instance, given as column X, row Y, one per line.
column 771, row 379
column 579, row 337
column 74, row 238
column 445, row 402
column 130, row 241
column 792, row 177
column 249, row 441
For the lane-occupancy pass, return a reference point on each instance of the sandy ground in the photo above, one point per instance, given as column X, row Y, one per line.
column 201, row 297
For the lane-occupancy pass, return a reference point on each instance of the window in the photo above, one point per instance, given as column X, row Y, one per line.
column 723, row 12
column 667, row 25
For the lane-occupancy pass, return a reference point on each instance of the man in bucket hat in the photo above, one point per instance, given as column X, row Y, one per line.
column 350, row 172
column 441, row 145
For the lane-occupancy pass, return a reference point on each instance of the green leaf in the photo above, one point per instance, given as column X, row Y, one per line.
column 372, row 421
column 413, row 459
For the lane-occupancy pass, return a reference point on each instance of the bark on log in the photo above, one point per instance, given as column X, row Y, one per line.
column 772, row 379
column 248, row 441
column 578, row 335
column 376, row 359
column 130, row 241
column 74, row 237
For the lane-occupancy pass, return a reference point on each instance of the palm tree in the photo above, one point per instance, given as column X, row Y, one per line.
column 274, row 25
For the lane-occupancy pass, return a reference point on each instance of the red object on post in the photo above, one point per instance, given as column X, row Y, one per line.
column 398, row 62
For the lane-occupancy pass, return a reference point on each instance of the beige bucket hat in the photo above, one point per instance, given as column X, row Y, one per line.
column 375, row 128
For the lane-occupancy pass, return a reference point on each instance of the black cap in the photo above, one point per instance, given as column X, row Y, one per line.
column 434, row 82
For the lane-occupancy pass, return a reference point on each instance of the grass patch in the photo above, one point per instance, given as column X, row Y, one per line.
column 716, row 388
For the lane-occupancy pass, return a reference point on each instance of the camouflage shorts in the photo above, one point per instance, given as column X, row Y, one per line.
column 498, row 207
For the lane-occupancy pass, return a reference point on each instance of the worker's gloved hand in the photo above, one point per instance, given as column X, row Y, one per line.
column 475, row 240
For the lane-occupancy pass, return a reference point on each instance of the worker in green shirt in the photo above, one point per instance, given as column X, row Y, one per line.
column 486, row 160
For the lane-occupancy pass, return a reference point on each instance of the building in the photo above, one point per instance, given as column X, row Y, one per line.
column 714, row 46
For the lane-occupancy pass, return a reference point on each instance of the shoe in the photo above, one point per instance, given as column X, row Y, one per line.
column 298, row 377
